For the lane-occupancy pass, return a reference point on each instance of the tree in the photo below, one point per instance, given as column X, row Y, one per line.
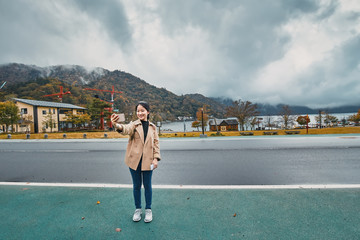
column 156, row 117
column 202, row 116
column 268, row 121
column 97, row 111
column 355, row 118
column 9, row 114
column 243, row 111
column 196, row 124
column 330, row 119
column 303, row 120
column 49, row 121
column 286, row 116
column 83, row 118
column 77, row 119
column 253, row 122
column 26, row 119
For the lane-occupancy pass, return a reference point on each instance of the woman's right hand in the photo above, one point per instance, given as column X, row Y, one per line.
column 114, row 118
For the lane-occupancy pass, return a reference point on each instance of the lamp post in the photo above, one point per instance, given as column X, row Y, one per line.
column 203, row 135
column 184, row 124
column 202, row 120
column 158, row 124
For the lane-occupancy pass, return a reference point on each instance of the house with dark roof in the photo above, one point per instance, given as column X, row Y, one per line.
column 43, row 116
column 229, row 124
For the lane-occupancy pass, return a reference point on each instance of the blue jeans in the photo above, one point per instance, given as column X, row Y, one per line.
column 139, row 176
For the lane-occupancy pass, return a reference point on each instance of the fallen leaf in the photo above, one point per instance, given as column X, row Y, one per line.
column 234, row 215
column 188, row 198
column 98, row 202
column 118, row 229
column 82, row 218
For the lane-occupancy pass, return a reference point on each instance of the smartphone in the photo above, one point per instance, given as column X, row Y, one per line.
column 152, row 166
column 121, row 117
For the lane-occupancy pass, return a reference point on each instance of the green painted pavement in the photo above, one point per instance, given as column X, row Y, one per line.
column 33, row 212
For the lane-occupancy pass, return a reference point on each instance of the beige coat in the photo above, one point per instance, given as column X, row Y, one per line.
column 136, row 146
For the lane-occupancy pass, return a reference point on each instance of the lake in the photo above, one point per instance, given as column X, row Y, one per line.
column 186, row 126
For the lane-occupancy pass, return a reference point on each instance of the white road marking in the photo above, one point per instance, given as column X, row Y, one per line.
column 107, row 185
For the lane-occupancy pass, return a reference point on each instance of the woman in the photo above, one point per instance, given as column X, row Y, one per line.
column 142, row 155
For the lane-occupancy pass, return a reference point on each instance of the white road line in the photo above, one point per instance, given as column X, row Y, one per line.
column 99, row 185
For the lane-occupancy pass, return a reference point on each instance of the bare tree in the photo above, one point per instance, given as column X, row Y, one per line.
column 49, row 121
column 286, row 116
column 243, row 111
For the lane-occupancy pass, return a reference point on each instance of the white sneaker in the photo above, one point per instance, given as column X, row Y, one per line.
column 148, row 215
column 137, row 215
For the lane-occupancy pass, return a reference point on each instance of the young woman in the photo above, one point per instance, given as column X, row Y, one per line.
column 142, row 155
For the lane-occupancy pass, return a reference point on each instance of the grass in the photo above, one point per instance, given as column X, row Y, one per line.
column 100, row 135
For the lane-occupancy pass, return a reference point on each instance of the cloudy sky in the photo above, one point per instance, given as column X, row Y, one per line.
column 297, row 52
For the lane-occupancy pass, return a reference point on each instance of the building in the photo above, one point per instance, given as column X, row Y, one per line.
column 229, row 124
column 36, row 116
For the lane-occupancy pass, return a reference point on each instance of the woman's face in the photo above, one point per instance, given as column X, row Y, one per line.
column 142, row 113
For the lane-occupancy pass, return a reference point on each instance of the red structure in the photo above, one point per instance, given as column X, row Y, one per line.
column 112, row 103
column 110, row 91
column 60, row 94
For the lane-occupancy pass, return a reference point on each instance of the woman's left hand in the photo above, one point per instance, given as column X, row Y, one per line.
column 155, row 163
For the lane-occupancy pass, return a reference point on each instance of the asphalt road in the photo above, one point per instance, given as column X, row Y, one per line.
column 268, row 160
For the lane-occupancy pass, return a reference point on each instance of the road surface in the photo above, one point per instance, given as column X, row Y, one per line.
column 268, row 160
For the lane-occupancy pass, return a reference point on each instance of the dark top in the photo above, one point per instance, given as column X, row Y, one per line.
column 145, row 125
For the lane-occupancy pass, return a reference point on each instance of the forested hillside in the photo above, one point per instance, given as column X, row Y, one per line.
column 33, row 82
column 24, row 81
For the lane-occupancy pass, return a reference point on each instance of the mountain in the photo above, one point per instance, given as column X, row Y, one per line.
column 33, row 82
column 266, row 109
column 29, row 81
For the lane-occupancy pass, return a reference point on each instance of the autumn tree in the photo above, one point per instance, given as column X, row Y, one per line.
column 195, row 124
column 330, row 119
column 9, row 114
column 202, row 116
column 303, row 120
column 355, row 118
column 155, row 117
column 77, row 119
column 243, row 111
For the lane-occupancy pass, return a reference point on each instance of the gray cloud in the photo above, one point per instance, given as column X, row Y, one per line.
column 293, row 52
column 334, row 81
column 246, row 34
column 111, row 15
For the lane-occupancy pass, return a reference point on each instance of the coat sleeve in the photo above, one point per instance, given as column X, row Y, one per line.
column 127, row 129
column 156, row 146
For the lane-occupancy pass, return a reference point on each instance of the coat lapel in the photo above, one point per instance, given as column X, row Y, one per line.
column 140, row 130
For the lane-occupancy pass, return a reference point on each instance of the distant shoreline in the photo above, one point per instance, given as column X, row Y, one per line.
column 245, row 134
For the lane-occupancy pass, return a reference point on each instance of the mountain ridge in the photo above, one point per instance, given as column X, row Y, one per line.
column 25, row 80
column 164, row 102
